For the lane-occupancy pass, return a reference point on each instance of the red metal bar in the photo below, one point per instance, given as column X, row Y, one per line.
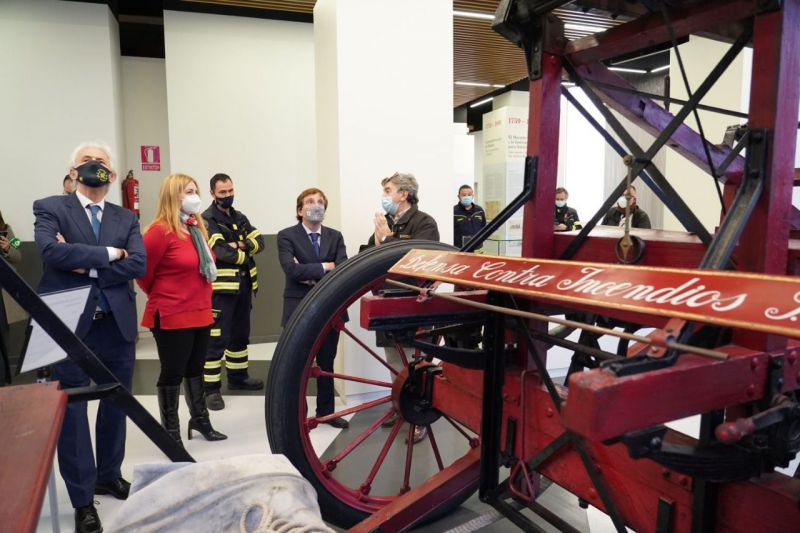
column 347, row 377
column 333, row 462
column 377, row 307
column 350, row 410
column 435, row 449
column 652, row 30
column 369, row 350
column 545, row 107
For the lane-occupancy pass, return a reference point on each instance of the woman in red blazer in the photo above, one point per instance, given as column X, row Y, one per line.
column 180, row 269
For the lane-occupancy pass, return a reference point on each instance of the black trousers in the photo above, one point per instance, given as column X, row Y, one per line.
column 325, row 357
column 230, row 336
column 182, row 352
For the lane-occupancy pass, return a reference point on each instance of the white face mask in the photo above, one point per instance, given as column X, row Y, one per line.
column 622, row 202
column 560, row 203
column 191, row 204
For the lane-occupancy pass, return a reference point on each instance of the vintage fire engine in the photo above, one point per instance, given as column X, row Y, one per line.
column 721, row 310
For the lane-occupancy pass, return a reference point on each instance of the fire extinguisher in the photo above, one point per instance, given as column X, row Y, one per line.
column 130, row 193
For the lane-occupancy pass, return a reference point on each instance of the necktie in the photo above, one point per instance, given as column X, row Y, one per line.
column 103, row 301
column 315, row 242
column 95, row 221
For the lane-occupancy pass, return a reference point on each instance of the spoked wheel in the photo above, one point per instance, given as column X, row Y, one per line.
column 368, row 465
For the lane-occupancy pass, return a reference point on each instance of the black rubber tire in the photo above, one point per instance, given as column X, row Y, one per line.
column 306, row 327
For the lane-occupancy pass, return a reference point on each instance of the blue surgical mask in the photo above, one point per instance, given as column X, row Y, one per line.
column 466, row 201
column 560, row 203
column 388, row 205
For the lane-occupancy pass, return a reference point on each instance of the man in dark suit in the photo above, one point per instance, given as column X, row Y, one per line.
column 85, row 240
column 307, row 251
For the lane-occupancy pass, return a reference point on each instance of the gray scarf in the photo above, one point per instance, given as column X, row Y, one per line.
column 207, row 267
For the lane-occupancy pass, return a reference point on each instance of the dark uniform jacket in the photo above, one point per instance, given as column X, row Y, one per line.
column 466, row 222
column 414, row 224
column 568, row 216
column 639, row 218
column 234, row 265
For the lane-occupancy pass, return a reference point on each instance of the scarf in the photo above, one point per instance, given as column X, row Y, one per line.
column 207, row 267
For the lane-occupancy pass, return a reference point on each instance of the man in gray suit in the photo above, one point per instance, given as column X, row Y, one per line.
column 307, row 251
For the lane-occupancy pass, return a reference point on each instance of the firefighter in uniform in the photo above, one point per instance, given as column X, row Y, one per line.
column 234, row 242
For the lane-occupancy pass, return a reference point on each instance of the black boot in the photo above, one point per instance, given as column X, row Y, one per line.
column 168, row 397
column 196, row 400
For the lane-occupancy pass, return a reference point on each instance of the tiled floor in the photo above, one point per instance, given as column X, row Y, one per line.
column 244, row 422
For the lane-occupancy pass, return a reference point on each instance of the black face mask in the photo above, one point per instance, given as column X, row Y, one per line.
column 225, row 203
column 93, row 174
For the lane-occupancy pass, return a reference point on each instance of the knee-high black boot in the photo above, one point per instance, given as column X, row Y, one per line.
column 168, row 397
column 196, row 400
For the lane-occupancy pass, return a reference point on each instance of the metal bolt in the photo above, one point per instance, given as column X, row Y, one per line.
column 665, row 474
column 792, row 357
column 549, row 412
column 754, row 363
column 684, row 481
column 655, row 443
column 751, row 390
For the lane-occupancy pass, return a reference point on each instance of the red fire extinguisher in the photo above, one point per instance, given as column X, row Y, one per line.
column 130, row 193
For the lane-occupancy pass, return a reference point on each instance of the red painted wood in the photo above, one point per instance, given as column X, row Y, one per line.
column 543, row 127
column 30, row 418
column 682, row 390
column 768, row 304
column 437, row 490
column 774, row 100
column 376, row 307
column 653, row 31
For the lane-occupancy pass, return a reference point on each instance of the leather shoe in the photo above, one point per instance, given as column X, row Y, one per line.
column 214, row 401
column 391, row 421
column 87, row 521
column 338, row 423
column 245, row 384
column 118, row 488
column 420, row 432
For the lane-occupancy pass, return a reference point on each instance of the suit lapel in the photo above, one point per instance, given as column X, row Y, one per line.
column 108, row 224
column 81, row 219
column 327, row 242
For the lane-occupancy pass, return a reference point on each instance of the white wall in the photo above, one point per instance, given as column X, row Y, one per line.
column 693, row 184
column 240, row 95
column 59, row 84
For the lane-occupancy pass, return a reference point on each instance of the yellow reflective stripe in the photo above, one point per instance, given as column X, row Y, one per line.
column 241, row 257
column 236, row 366
column 216, row 332
column 214, row 238
column 227, row 272
column 210, row 365
column 213, row 378
column 236, row 354
column 252, row 238
column 225, row 285
column 253, row 272
column 255, row 285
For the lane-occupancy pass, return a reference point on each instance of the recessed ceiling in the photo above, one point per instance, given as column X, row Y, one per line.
column 480, row 56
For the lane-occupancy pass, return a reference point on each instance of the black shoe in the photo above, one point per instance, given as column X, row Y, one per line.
column 391, row 421
column 245, row 384
column 87, row 521
column 168, row 396
column 338, row 423
column 214, row 401
column 119, row 488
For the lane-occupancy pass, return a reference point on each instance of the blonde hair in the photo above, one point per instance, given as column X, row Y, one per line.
column 169, row 205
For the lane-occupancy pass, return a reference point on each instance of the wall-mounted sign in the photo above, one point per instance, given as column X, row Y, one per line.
column 736, row 299
column 151, row 157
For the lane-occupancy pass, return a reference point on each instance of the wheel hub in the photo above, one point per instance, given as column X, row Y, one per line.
column 413, row 393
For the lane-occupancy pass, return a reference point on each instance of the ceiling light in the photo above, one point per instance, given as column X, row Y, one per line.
column 485, row 101
column 472, row 84
column 659, row 69
column 631, row 70
column 473, row 15
column 583, row 27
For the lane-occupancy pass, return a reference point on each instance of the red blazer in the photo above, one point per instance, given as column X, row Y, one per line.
column 173, row 283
